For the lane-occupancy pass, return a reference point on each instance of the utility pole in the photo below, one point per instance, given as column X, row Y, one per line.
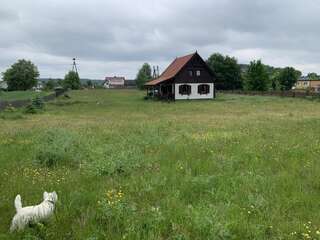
column 154, row 74
column 74, row 66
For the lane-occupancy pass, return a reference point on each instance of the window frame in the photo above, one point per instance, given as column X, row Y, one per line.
column 185, row 89
column 198, row 73
column 204, row 89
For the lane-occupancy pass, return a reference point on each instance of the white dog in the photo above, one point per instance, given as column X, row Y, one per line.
column 33, row 214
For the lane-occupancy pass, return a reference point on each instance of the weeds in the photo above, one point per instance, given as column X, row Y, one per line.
column 58, row 147
column 237, row 168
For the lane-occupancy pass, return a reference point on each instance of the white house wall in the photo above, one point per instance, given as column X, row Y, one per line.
column 194, row 92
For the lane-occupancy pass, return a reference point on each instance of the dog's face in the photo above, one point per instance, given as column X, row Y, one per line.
column 53, row 197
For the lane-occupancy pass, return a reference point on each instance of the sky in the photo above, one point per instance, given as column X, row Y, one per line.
column 115, row 37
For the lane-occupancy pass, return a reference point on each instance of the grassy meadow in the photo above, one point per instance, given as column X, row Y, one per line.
column 20, row 95
column 237, row 167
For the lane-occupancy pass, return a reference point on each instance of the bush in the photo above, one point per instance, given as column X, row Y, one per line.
column 30, row 109
column 58, row 147
column 36, row 104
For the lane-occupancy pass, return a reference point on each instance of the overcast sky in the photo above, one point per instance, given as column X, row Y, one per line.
column 114, row 37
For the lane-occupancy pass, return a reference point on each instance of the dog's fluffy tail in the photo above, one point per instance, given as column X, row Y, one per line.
column 18, row 203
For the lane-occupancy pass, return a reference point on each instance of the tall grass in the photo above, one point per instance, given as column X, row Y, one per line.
column 238, row 167
column 21, row 95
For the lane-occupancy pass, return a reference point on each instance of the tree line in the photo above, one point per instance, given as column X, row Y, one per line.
column 23, row 75
column 230, row 75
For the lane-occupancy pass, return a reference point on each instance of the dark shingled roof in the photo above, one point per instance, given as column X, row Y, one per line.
column 173, row 69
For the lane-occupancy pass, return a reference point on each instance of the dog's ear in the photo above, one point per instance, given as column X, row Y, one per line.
column 55, row 196
column 45, row 195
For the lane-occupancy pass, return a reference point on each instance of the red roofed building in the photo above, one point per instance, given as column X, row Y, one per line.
column 187, row 77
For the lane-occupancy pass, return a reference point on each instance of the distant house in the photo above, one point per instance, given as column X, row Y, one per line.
column 114, row 82
column 38, row 87
column 305, row 83
column 186, row 77
column 3, row 85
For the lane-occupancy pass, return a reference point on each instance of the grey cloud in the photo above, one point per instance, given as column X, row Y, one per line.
column 117, row 36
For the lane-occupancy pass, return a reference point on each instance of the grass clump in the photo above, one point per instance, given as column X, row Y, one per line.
column 115, row 159
column 11, row 113
column 58, row 147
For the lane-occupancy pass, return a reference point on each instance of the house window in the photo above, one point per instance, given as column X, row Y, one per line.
column 203, row 89
column 190, row 73
column 184, row 89
column 198, row 73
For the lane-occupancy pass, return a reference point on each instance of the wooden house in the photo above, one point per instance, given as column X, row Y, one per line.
column 187, row 77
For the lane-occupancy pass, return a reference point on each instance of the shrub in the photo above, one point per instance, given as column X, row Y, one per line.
column 36, row 104
column 30, row 109
column 58, row 147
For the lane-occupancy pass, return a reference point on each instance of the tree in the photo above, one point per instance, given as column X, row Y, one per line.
column 227, row 71
column 21, row 76
column 313, row 76
column 50, row 85
column 89, row 84
column 287, row 78
column 257, row 77
column 72, row 80
column 274, row 79
column 144, row 75
column 59, row 82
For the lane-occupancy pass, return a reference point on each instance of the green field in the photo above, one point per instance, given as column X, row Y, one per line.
column 21, row 95
column 237, row 167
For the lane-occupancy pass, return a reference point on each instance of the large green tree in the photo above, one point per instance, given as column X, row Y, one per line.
column 144, row 75
column 72, row 80
column 50, row 84
column 288, row 77
column 22, row 75
column 313, row 76
column 274, row 79
column 89, row 84
column 227, row 71
column 257, row 77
